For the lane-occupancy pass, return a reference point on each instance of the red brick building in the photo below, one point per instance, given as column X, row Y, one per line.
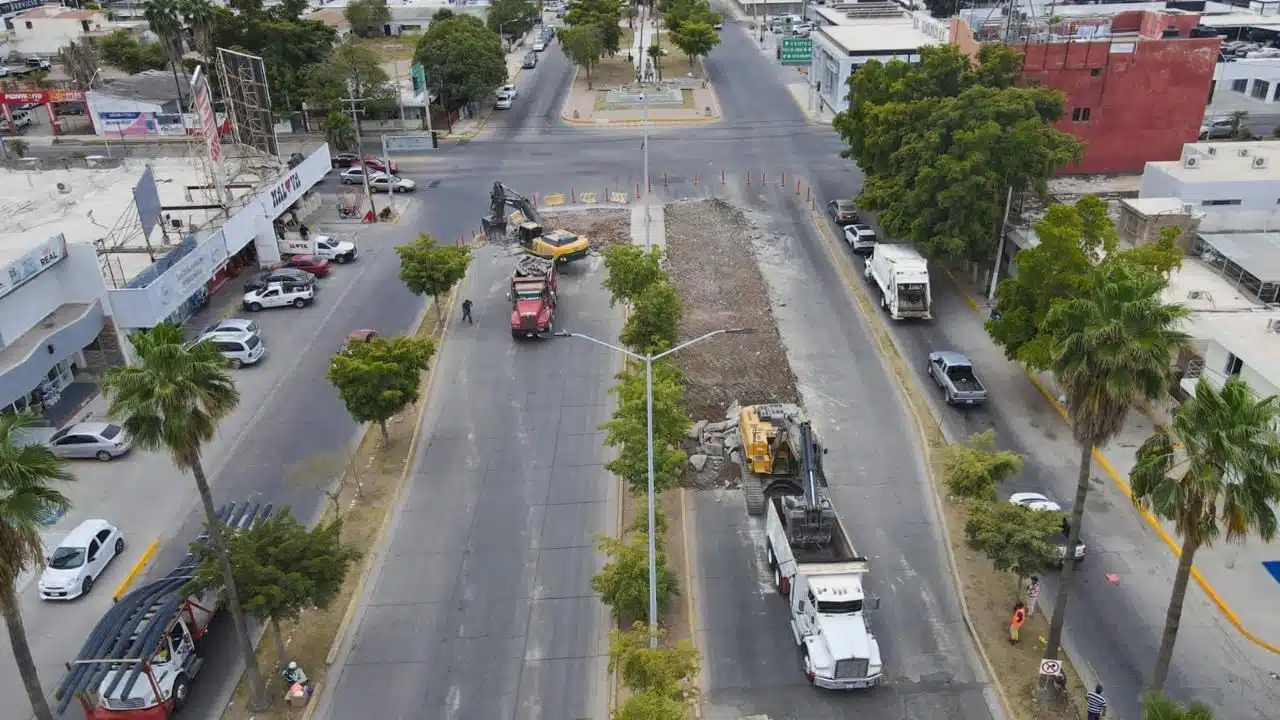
column 1136, row 82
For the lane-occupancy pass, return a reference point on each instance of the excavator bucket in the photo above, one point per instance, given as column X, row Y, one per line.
column 495, row 231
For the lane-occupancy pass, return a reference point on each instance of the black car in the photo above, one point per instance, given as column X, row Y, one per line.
column 530, row 61
column 289, row 276
column 346, row 159
column 843, row 212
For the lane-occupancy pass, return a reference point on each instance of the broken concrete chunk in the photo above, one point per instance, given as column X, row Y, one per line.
column 695, row 432
column 698, row 461
column 713, row 448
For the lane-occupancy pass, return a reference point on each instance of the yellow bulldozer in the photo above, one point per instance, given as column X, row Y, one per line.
column 781, row 454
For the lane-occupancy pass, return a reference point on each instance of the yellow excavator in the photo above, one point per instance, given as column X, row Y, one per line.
column 561, row 246
column 781, row 455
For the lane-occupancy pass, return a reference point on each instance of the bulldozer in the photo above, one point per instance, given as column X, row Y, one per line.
column 530, row 230
column 782, row 455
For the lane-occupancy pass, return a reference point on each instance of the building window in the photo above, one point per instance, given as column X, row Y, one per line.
column 1261, row 89
column 1218, row 203
column 1080, row 115
column 1234, row 365
column 1240, row 85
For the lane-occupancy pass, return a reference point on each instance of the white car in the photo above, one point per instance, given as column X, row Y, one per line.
column 503, row 102
column 279, row 295
column 391, row 183
column 239, row 348
column 355, row 175
column 539, row 45
column 511, row 90
column 100, row 440
column 236, row 325
column 73, row 566
column 1040, row 503
column 862, row 238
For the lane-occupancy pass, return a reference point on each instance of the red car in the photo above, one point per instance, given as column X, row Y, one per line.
column 313, row 264
column 374, row 163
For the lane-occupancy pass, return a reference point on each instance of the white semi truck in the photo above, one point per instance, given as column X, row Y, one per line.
column 816, row 568
column 902, row 274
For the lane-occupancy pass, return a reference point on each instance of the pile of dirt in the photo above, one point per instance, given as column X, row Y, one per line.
column 602, row 227
column 710, row 260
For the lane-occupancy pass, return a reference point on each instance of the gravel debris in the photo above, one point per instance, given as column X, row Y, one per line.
column 603, row 227
column 710, row 259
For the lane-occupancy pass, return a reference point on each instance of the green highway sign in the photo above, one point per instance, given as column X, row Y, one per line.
column 796, row 51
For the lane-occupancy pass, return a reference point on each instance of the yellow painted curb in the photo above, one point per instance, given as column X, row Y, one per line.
column 690, row 589
column 136, row 570
column 863, row 306
column 1106, row 465
column 372, row 557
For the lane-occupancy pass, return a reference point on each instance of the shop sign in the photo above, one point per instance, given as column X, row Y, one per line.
column 281, row 192
column 14, row 6
column 40, row 97
column 183, row 280
column 797, row 51
column 36, row 261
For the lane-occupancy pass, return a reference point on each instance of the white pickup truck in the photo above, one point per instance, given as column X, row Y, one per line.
column 823, row 585
column 325, row 246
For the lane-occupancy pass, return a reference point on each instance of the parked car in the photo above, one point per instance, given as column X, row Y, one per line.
column 503, row 102
column 239, row 348
column 391, row 183
column 508, row 89
column 539, row 45
column 530, row 61
column 313, row 264
column 1040, row 503
column 344, row 160
column 39, row 63
column 862, row 238
column 1217, row 129
column 353, row 176
column 73, row 566
column 279, row 295
column 954, row 375
column 242, row 325
column 375, row 163
column 101, row 440
column 291, row 276
column 843, row 212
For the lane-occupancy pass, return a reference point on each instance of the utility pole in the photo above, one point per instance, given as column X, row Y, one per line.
column 364, row 168
column 645, row 145
column 391, row 184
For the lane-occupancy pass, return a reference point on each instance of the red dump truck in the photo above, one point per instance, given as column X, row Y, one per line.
column 141, row 658
column 533, row 297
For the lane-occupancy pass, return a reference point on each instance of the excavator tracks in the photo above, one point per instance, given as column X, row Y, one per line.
column 752, row 491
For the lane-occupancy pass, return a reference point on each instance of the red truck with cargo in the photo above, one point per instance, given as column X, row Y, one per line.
column 533, row 296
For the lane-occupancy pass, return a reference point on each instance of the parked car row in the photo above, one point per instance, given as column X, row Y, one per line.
column 379, row 181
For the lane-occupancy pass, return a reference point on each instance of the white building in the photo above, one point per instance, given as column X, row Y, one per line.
column 46, row 29
column 852, row 35
column 1249, row 85
column 1243, row 176
column 78, row 272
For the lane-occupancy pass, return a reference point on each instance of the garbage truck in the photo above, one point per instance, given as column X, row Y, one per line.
column 902, row 275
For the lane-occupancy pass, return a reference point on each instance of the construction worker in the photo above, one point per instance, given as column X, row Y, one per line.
column 1015, row 625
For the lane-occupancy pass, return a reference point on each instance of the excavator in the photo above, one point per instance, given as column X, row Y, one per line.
column 561, row 246
column 782, row 455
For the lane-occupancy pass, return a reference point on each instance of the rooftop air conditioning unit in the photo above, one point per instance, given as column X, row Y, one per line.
column 1243, row 152
column 1195, row 295
column 1190, row 161
column 1259, row 162
column 64, row 188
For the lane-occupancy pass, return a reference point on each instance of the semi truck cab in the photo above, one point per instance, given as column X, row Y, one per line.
column 829, row 620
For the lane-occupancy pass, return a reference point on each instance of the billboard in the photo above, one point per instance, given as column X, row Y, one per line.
column 40, row 97
column 248, row 100
column 206, row 121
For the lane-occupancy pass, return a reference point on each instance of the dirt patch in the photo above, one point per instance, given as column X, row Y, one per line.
column 603, row 227
column 377, row 470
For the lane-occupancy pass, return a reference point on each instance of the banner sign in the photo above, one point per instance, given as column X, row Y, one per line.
column 40, row 97
column 797, row 51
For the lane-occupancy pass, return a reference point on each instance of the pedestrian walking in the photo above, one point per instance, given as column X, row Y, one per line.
column 466, row 312
column 304, row 231
column 1015, row 625
column 1033, row 594
column 1096, row 704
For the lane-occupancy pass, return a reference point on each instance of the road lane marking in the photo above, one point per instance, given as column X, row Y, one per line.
column 136, row 570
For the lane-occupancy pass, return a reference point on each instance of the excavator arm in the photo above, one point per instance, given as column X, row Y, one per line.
column 502, row 197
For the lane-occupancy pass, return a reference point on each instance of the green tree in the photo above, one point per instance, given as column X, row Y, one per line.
column 17, row 147
column 631, row 271
column 653, row 324
column 627, row 430
column 974, row 469
column 655, row 56
column 941, row 143
column 650, row 706
column 605, row 15
column 368, row 16
column 512, row 18
column 381, row 377
column 1155, row 706
column 463, row 59
column 1162, row 256
column 623, row 582
column 340, row 131
column 669, row 672
column 288, row 47
column 353, row 70
column 430, row 269
column 1016, row 539
column 670, row 422
column 28, row 474
column 164, row 18
column 80, row 61
column 677, row 14
column 200, row 16
column 122, row 51
column 583, row 46
column 1114, row 345
column 173, row 400
column 695, row 39
column 282, row 567
column 1214, row 470
column 290, row 10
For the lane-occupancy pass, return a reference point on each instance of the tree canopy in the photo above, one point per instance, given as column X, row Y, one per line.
column 379, row 378
column 623, row 582
column 512, row 18
column 669, row 672
column 583, row 46
column 463, row 60
column 1016, row 539
column 353, row 70
column 974, row 469
column 941, row 141
column 653, row 324
column 120, row 50
column 627, row 431
column 367, row 16
column 427, row 268
column 604, row 15
column 287, row 45
column 677, row 13
column 631, row 271
column 695, row 38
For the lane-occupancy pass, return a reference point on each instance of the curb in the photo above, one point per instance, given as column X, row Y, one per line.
column 136, row 570
column 1119, row 481
column 691, row 591
column 828, row 242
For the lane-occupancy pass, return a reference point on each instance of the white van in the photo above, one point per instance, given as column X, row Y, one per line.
column 22, row 118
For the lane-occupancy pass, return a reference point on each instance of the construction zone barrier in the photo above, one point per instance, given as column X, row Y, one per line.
column 618, row 197
column 554, row 199
column 587, row 198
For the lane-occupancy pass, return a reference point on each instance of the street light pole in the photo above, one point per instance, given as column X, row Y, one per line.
column 648, row 361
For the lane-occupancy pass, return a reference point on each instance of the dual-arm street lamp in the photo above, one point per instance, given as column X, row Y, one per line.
column 648, row 361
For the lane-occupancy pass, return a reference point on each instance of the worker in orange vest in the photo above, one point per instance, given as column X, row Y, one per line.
column 1019, row 617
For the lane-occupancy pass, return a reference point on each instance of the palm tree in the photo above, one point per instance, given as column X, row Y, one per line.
column 173, row 400
column 165, row 19
column 1158, row 707
column 200, row 15
column 1217, row 465
column 1113, row 346
column 26, row 471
